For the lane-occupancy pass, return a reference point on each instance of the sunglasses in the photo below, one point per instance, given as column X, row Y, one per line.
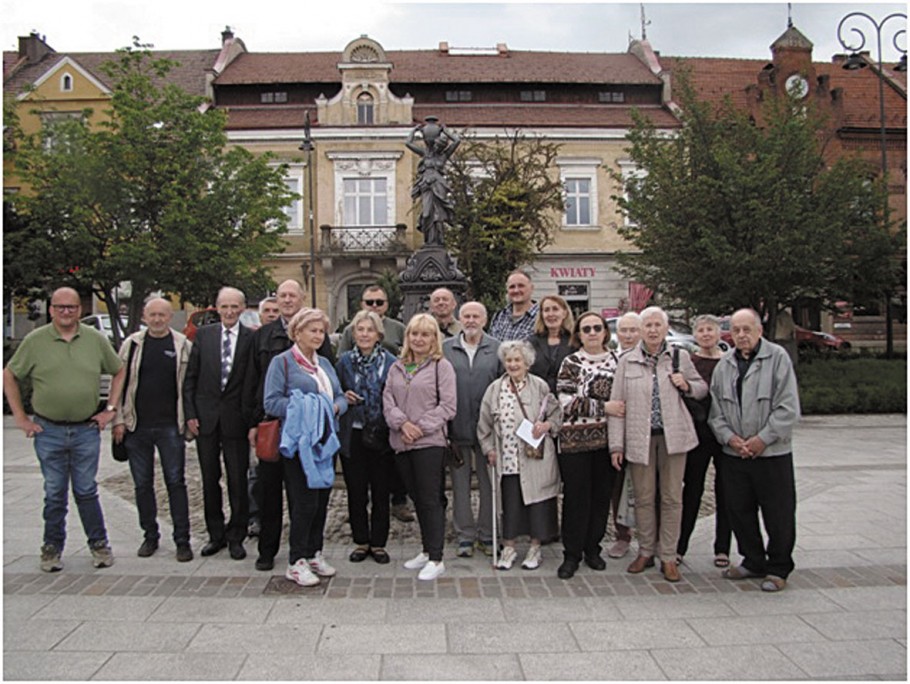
column 374, row 302
column 588, row 329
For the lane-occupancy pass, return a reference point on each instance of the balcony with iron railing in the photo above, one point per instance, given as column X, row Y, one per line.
column 363, row 240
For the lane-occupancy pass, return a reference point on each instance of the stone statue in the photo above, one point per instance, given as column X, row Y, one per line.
column 431, row 186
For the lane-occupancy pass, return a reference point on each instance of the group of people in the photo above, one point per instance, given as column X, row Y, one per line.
column 543, row 403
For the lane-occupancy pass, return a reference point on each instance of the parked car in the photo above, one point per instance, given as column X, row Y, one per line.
column 102, row 323
column 209, row 315
column 805, row 338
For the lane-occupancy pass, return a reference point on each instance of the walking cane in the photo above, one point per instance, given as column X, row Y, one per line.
column 493, row 483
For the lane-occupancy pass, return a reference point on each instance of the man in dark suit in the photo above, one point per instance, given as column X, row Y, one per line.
column 212, row 401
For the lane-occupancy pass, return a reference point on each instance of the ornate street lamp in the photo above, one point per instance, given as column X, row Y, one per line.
column 857, row 61
column 307, row 146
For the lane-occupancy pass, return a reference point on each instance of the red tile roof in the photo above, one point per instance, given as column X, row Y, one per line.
column 189, row 74
column 715, row 78
column 433, row 66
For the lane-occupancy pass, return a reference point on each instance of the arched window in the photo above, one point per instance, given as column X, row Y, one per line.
column 66, row 83
column 365, row 109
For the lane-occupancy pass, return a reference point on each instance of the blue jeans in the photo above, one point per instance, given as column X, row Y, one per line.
column 69, row 453
column 140, row 446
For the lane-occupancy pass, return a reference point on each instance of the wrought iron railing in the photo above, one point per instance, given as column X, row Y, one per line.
column 363, row 239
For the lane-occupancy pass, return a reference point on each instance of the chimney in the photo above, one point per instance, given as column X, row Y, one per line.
column 33, row 47
column 444, row 47
column 502, row 49
column 227, row 35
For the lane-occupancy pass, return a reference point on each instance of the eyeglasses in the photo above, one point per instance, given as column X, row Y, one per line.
column 374, row 302
column 65, row 307
column 588, row 329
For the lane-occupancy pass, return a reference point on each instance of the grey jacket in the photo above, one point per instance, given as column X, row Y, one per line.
column 472, row 381
column 126, row 410
column 770, row 404
column 632, row 384
column 539, row 478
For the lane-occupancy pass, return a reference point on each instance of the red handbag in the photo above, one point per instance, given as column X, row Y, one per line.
column 268, row 433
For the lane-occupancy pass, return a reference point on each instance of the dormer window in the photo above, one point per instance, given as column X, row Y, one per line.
column 614, row 96
column 273, row 97
column 533, row 96
column 365, row 109
column 66, row 83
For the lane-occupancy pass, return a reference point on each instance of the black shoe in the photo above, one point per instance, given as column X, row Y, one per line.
column 567, row 569
column 237, row 550
column 149, row 546
column 184, row 553
column 264, row 563
column 359, row 554
column 213, row 547
column 595, row 562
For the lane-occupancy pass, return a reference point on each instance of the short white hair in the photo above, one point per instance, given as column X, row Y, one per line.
column 511, row 346
column 655, row 311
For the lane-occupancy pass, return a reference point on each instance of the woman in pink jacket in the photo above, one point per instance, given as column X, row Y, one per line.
column 654, row 437
column 418, row 400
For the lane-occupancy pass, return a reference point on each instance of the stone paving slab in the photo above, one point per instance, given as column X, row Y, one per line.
column 542, row 636
column 291, row 666
column 728, row 663
column 169, row 666
column 618, row 666
column 241, row 638
column 872, row 657
column 128, row 636
column 54, row 666
column 452, row 668
column 345, row 639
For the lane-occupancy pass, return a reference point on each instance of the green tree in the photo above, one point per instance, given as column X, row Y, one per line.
column 507, row 202
column 152, row 195
column 729, row 213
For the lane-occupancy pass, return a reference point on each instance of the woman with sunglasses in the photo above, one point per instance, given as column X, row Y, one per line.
column 583, row 384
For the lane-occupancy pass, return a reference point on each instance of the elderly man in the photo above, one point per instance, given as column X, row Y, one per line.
column 212, row 393
column 64, row 361
column 268, row 311
column 473, row 355
column 516, row 321
column 374, row 298
column 150, row 416
column 754, row 406
column 442, row 306
column 628, row 334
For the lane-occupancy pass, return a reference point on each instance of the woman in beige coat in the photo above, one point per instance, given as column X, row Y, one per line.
column 654, row 437
column 528, row 480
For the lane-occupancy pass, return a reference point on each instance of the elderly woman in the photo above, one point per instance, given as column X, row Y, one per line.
column 309, row 465
column 584, row 384
column 418, row 399
column 654, row 437
column 528, row 477
column 367, row 457
column 552, row 338
column 705, row 359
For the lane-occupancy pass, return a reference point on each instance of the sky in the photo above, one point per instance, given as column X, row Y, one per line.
column 739, row 30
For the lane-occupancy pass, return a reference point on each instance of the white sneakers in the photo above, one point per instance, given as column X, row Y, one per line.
column 417, row 562
column 320, row 565
column 300, row 573
column 506, row 558
column 532, row 560
column 429, row 570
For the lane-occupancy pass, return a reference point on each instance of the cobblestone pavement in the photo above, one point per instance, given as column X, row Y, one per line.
column 842, row 616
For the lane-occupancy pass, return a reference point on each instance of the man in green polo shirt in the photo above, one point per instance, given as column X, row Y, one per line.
column 65, row 361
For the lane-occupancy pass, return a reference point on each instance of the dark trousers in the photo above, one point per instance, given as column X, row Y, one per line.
column 398, row 488
column 623, row 532
column 140, row 447
column 587, row 482
column 307, row 509
column 270, row 500
column 366, row 475
column 423, row 473
column 697, row 462
column 236, row 461
column 764, row 484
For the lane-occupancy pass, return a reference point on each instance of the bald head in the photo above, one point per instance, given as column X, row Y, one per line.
column 230, row 304
column 66, row 308
column 290, row 298
column 746, row 330
column 157, row 314
column 442, row 305
column 473, row 316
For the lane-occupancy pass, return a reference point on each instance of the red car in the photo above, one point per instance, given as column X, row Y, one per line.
column 805, row 338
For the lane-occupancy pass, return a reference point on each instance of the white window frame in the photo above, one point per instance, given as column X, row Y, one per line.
column 581, row 168
column 371, row 197
column 364, row 165
column 63, row 82
column 294, row 210
column 629, row 171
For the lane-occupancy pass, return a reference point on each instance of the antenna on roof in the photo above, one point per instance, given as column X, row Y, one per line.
column 789, row 15
column 644, row 23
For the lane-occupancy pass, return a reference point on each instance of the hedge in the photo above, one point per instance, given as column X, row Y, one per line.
column 852, row 384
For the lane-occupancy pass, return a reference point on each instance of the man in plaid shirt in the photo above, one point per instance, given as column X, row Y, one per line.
column 516, row 321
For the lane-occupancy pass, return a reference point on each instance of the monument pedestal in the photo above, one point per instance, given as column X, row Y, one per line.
column 427, row 269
